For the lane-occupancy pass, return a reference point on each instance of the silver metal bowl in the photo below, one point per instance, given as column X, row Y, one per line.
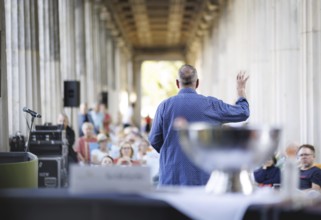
column 228, row 152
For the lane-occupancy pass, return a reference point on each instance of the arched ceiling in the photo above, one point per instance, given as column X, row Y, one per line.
column 161, row 25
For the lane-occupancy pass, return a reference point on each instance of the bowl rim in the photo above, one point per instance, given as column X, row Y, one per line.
column 198, row 126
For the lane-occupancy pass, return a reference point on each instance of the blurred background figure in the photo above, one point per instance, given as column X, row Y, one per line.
column 128, row 116
column 98, row 154
column 126, row 155
column 82, row 145
column 268, row 174
column 97, row 117
column 106, row 118
column 148, row 156
column 84, row 116
column 148, row 124
column 107, row 161
column 70, row 136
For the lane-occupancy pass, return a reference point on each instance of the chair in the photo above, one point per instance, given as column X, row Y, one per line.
column 317, row 165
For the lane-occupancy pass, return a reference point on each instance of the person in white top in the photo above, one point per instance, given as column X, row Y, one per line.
column 148, row 156
column 128, row 116
column 98, row 154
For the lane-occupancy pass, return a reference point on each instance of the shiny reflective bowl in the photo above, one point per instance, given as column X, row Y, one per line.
column 228, row 151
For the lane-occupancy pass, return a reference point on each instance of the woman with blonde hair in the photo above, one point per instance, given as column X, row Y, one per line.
column 126, row 155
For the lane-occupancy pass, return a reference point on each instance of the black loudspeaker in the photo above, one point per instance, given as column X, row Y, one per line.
column 104, row 98
column 71, row 93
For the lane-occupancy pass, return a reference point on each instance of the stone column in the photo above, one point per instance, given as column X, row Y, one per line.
column 34, row 47
column 113, row 95
column 97, row 51
column 137, row 76
column 49, row 56
column 103, row 56
column 4, row 142
column 310, row 79
column 14, row 112
column 21, row 61
column 80, row 55
column 21, row 77
column 89, row 52
column 43, row 22
column 110, row 62
column 55, row 71
column 28, row 53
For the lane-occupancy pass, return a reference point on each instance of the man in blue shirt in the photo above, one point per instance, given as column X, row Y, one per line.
column 175, row 167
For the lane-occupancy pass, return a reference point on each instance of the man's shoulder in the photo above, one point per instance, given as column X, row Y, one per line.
column 313, row 170
column 316, row 170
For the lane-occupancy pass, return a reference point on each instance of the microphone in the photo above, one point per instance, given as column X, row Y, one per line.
column 33, row 113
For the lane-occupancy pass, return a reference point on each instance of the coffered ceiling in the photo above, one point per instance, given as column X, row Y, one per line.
column 161, row 24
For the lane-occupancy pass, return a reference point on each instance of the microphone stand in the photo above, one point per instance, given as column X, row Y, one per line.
column 27, row 144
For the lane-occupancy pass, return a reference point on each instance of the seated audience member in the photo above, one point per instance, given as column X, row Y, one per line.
column 84, row 116
column 107, row 118
column 148, row 156
column 310, row 175
column 268, row 174
column 143, row 147
column 98, row 154
column 126, row 155
column 82, row 145
column 290, row 151
column 97, row 117
column 107, row 161
column 70, row 136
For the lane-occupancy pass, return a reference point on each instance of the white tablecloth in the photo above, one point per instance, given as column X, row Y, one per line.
column 197, row 204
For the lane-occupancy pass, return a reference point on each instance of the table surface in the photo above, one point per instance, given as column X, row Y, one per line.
column 59, row 204
column 54, row 204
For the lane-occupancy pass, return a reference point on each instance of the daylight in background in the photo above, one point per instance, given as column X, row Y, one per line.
column 158, row 83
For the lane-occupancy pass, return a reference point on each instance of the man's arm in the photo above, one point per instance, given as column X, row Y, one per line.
column 315, row 186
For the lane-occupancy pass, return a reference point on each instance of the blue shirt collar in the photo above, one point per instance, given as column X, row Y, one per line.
column 186, row 90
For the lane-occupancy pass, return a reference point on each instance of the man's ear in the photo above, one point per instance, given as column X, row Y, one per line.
column 177, row 83
column 197, row 83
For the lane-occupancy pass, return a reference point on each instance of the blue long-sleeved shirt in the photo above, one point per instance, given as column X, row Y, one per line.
column 270, row 175
column 175, row 167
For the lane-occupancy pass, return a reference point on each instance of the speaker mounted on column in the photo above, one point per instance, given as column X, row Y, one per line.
column 71, row 93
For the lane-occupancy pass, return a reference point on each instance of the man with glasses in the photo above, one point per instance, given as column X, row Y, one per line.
column 310, row 175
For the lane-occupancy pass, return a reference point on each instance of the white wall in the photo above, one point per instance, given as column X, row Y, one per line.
column 278, row 44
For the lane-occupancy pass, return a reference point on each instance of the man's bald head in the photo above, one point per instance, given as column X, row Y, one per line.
column 187, row 75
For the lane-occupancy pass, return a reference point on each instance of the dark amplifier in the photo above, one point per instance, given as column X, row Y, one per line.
column 47, row 135
column 51, row 173
column 48, row 148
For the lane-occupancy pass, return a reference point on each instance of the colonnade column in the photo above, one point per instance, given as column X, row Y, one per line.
column 56, row 102
column 103, row 52
column 113, row 94
column 310, row 77
column 49, row 56
column 12, row 62
column 80, row 55
column 4, row 143
column 97, row 49
column 89, row 52
column 34, row 47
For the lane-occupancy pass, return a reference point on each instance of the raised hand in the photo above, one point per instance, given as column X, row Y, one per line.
column 241, row 80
